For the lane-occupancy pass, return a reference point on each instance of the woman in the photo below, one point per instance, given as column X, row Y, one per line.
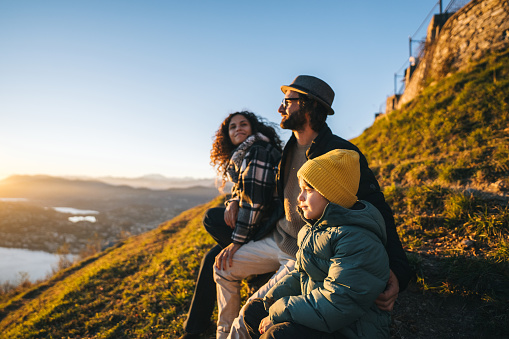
column 245, row 151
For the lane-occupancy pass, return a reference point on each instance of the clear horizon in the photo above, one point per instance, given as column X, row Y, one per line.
column 126, row 89
column 145, row 176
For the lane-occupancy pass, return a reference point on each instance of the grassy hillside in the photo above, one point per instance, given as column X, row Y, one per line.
column 443, row 163
column 455, row 132
column 138, row 289
column 444, row 159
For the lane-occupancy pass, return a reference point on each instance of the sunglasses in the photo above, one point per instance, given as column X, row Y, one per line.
column 286, row 100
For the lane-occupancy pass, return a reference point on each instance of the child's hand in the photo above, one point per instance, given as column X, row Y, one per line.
column 265, row 324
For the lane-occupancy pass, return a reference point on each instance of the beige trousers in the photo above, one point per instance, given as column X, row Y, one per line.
column 255, row 257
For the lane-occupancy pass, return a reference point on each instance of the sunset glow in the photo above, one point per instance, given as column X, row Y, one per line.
column 130, row 88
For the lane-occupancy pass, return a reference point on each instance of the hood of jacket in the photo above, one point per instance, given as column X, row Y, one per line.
column 363, row 214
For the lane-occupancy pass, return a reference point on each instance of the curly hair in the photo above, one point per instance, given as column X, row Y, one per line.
column 222, row 147
column 317, row 111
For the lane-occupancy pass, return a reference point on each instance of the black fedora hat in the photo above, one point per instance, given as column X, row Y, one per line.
column 313, row 87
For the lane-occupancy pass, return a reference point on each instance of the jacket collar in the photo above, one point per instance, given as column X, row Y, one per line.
column 323, row 134
column 364, row 216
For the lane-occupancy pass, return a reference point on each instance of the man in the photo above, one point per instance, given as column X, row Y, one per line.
column 305, row 108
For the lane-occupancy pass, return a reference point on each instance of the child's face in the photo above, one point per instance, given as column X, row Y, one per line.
column 310, row 201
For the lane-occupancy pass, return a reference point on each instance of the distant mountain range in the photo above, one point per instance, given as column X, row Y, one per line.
column 28, row 221
column 99, row 195
column 152, row 181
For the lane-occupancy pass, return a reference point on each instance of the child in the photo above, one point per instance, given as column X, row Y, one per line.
column 341, row 267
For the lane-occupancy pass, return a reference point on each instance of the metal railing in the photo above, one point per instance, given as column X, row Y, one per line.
column 453, row 6
column 456, row 5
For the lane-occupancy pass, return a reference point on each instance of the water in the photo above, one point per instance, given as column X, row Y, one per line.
column 78, row 214
column 38, row 264
column 71, row 210
column 88, row 218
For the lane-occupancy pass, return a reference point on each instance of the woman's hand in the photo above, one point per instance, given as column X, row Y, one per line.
column 265, row 324
column 230, row 213
column 387, row 298
column 226, row 255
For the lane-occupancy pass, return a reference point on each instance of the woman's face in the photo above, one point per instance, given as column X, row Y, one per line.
column 239, row 129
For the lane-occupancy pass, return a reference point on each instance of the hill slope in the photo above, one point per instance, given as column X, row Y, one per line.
column 443, row 160
column 137, row 289
column 455, row 132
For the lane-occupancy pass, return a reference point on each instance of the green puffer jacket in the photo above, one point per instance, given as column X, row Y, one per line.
column 341, row 268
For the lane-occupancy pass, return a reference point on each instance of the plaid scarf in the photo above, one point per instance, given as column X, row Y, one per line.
column 239, row 154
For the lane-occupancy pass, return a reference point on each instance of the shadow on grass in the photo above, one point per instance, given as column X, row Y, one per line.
column 454, row 297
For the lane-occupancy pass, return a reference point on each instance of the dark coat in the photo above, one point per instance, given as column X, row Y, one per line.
column 369, row 190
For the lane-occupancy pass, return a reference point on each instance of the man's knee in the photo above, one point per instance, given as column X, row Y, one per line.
column 225, row 277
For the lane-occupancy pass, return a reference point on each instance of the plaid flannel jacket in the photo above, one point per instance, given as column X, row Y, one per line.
column 254, row 188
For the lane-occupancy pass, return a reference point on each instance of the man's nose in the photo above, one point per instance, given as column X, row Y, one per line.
column 281, row 109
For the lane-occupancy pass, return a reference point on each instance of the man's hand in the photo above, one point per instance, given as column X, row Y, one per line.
column 226, row 255
column 265, row 324
column 387, row 298
column 231, row 212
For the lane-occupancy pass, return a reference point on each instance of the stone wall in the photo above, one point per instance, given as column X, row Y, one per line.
column 481, row 27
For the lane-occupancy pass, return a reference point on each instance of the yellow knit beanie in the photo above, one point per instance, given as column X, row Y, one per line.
column 335, row 175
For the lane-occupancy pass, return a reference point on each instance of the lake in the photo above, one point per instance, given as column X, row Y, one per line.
column 71, row 210
column 37, row 264
column 77, row 212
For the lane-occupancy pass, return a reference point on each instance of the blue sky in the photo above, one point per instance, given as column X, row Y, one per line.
column 128, row 88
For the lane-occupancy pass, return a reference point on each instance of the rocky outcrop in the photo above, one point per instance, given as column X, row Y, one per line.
column 479, row 28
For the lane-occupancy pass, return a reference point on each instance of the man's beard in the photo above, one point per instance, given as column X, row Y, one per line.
column 295, row 121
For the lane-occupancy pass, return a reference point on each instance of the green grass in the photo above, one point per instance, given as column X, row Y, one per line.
column 438, row 160
column 452, row 130
column 443, row 163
